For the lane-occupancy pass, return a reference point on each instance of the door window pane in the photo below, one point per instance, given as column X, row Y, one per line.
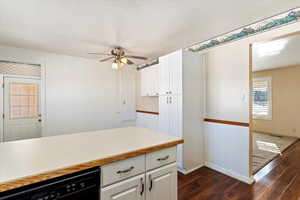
column 23, row 100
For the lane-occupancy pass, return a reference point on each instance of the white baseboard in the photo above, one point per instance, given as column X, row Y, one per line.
column 185, row 172
column 232, row 174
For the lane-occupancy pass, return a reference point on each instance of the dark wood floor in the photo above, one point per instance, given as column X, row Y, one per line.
column 280, row 179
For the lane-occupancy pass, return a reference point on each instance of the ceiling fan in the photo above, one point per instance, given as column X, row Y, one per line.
column 119, row 57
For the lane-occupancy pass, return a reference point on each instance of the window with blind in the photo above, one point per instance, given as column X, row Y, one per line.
column 262, row 98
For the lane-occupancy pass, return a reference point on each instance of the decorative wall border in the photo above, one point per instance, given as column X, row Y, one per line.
column 148, row 64
column 267, row 24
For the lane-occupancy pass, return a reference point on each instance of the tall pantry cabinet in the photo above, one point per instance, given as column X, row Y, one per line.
column 181, row 105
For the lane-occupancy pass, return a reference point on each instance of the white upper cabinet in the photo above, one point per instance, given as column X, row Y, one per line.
column 170, row 74
column 149, row 81
column 164, row 84
column 144, row 82
column 175, row 72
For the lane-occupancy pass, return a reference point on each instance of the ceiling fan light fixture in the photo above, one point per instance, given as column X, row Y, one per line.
column 117, row 64
column 119, row 58
column 124, row 60
column 121, row 64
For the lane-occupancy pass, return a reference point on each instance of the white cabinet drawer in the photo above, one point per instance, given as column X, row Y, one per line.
column 129, row 189
column 121, row 170
column 160, row 158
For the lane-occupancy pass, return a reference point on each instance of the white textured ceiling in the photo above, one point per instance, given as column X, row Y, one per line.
column 283, row 52
column 144, row 27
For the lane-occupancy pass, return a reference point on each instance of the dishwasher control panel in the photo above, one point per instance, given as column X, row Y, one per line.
column 65, row 190
column 76, row 186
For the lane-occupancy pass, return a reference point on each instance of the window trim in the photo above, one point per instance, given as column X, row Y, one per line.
column 270, row 108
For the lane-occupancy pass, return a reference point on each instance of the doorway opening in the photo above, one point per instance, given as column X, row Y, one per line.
column 275, row 99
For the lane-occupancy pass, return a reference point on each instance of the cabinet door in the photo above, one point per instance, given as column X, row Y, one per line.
column 175, row 115
column 175, row 72
column 164, row 82
column 127, row 93
column 131, row 189
column 163, row 117
column 146, row 81
column 154, row 82
column 161, row 184
column 143, row 82
column 149, row 81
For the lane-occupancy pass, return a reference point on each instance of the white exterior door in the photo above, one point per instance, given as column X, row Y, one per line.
column 131, row 189
column 22, row 118
column 162, row 183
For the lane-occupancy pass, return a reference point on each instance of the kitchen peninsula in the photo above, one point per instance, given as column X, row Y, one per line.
column 124, row 154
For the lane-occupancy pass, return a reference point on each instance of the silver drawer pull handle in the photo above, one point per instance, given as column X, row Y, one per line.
column 143, row 186
column 125, row 170
column 164, row 158
column 151, row 182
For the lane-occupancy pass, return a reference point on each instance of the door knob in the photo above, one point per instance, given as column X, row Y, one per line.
column 39, row 120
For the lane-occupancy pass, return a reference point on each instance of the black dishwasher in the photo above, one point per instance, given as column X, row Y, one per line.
column 84, row 185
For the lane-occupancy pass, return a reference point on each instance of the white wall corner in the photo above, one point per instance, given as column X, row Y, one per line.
column 1, row 109
column 245, row 179
column 185, row 172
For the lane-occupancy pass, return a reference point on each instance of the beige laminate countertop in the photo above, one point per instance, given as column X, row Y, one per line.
column 29, row 161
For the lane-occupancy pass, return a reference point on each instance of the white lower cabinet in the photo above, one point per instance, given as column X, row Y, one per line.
column 130, row 189
column 155, row 179
column 161, row 183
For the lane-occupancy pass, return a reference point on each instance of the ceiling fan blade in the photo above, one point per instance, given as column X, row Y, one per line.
column 129, row 62
column 106, row 59
column 101, row 54
column 136, row 57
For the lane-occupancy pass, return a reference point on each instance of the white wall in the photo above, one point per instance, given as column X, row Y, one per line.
column 227, row 91
column 227, row 83
column 227, row 87
column 226, row 150
column 193, row 110
column 80, row 94
column 228, row 73
column 147, row 120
